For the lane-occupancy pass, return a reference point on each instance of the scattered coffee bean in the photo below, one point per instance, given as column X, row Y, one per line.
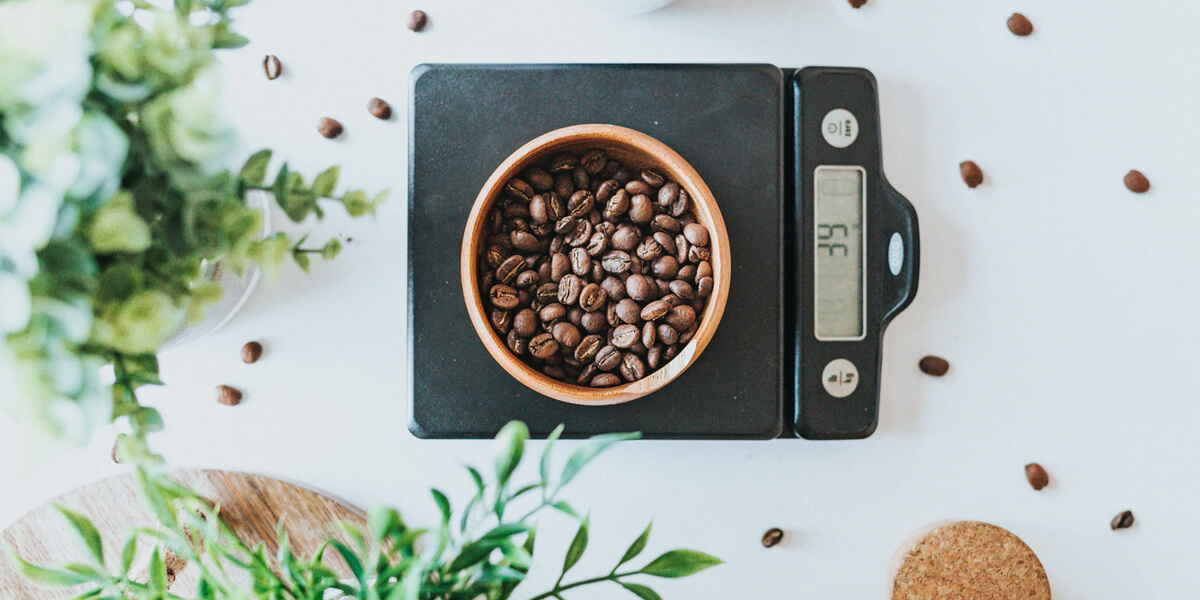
column 1020, row 25
column 228, row 396
column 251, row 352
column 417, row 20
column 933, row 365
column 1122, row 521
column 775, row 535
column 1136, row 182
column 972, row 175
column 595, row 274
column 379, row 109
column 329, row 128
column 272, row 67
column 1037, row 476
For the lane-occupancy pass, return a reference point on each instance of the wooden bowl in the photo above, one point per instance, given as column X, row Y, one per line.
column 637, row 151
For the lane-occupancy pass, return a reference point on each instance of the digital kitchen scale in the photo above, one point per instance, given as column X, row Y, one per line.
column 824, row 252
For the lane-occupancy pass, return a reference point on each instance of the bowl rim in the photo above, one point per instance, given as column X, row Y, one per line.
column 707, row 210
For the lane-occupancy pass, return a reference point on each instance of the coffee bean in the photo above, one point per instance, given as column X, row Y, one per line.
column 649, row 249
column 683, row 289
column 1019, row 25
column 641, row 211
column 527, row 279
column 329, row 128
column 580, row 204
column 705, row 287
column 580, row 233
column 625, row 238
column 563, row 162
column 517, row 344
column 503, row 297
column 228, row 396
column 637, row 187
column 682, row 248
column 629, row 311
column 681, row 317
column 615, row 262
column 625, row 336
column 972, row 175
column 703, row 269
column 665, row 267
column 671, row 299
column 519, row 190
column 605, row 380
column 507, row 271
column 569, row 288
column 554, row 371
column 1037, row 476
column 597, row 244
column 649, row 335
column 379, row 109
column 641, row 288
column 525, row 323
column 654, row 357
column 775, row 535
column 667, row 334
column 272, row 67
column 564, row 184
column 501, row 320
column 698, row 254
column 592, row 298
column 668, row 194
column 417, row 20
column 593, row 322
column 696, row 234
column 1136, row 182
column 655, row 310
column 666, row 223
column 671, row 352
column 588, row 348
column 543, row 345
column 632, row 368
column 653, row 178
column 681, row 206
column 551, row 313
column 575, row 316
column 608, row 358
column 1122, row 521
column 581, row 262
column 547, row 293
column 251, row 352
column 523, row 241
column 593, row 161
column 933, row 365
column 566, row 334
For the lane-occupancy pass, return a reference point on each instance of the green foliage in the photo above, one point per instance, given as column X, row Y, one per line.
column 486, row 556
column 114, row 195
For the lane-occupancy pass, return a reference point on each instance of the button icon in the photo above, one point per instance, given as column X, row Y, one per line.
column 895, row 253
column 840, row 128
column 840, row 378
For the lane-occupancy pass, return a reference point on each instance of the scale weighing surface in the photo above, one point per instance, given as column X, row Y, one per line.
column 734, row 124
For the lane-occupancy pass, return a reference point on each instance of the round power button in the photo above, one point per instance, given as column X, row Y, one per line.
column 840, row 378
column 840, row 128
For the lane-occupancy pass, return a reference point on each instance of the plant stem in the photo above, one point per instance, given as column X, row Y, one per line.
column 558, row 589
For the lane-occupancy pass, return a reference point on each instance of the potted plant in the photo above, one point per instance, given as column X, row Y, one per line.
column 115, row 202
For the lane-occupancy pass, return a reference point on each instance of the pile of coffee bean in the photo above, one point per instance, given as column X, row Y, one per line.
column 594, row 273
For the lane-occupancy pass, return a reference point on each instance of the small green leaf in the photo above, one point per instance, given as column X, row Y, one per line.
column 578, row 546
column 581, row 457
column 332, row 248
column 47, row 577
column 352, row 561
column 325, row 182
column 158, row 572
column 545, row 466
column 471, row 554
column 302, row 260
column 87, row 531
column 128, row 553
column 641, row 591
column 384, row 521
column 443, row 504
column 229, row 39
column 636, row 548
column 379, row 199
column 356, row 203
column 506, row 530
column 254, row 172
column 680, row 563
column 564, row 507
column 476, row 477
column 510, row 443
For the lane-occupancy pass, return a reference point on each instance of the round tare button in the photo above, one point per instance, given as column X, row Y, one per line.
column 840, row 378
column 840, row 128
column 895, row 254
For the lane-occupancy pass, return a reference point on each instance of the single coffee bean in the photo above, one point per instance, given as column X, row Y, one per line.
column 519, row 190
column 581, row 262
column 625, row 238
column 1136, row 182
column 632, row 367
column 379, row 109
column 615, row 262
column 575, row 316
column 503, row 297
column 649, row 335
column 934, row 365
column 524, row 241
column 556, row 208
column 705, row 287
column 547, row 293
column 554, row 371
column 775, row 535
column 623, row 175
column 417, row 20
column 569, row 288
column 507, row 271
column 1122, row 521
column 543, row 345
column 525, row 323
column 605, row 380
column 625, row 336
column 972, row 175
column 641, row 288
column 501, row 320
column 654, row 357
column 655, row 310
column 641, row 211
column 581, row 203
column 671, row 299
column 272, row 67
column 539, row 179
column 681, row 317
column 637, row 187
column 594, row 322
column 566, row 334
column 672, row 351
column 563, row 163
column 649, row 249
column 586, row 375
column 564, row 184
column 683, row 249
column 857, row 3
column 329, row 128
column 683, row 290
column 698, row 254
column 580, row 233
column 703, row 269
column 494, row 256
column 597, row 244
column 697, row 234
column 687, row 336
column 681, row 206
column 613, row 287
column 560, row 265
column 608, row 358
column 607, row 189
column 667, row 334
column 665, row 240
column 593, row 161
column 251, row 352
column 1037, row 476
column 552, row 313
column 1019, row 24
column 592, row 298
column 527, row 279
column 668, row 194
column 666, row 223
column 653, row 178
column 519, row 211
column 665, row 267
column 228, row 396
column 517, row 344
column 628, row 311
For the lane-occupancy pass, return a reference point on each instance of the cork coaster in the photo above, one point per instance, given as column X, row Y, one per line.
column 969, row 560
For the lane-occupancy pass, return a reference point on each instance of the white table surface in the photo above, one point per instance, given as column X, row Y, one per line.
column 1065, row 304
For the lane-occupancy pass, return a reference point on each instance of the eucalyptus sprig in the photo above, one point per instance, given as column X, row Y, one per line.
column 483, row 553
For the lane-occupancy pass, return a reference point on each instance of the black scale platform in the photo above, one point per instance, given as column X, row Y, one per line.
column 726, row 120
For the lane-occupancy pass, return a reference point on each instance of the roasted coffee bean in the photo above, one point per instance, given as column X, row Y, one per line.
column 524, row 241
column 229, row 396
column 519, row 190
column 665, row 267
column 857, row 3
column 703, row 269
column 637, row 187
column 501, row 320
column 581, row 179
column 543, row 345
column 971, row 174
column 607, row 189
column 641, row 288
column 1037, row 476
column 705, row 287
column 671, row 352
column 594, row 161
column 539, row 179
column 1136, row 182
column 611, row 316
column 594, row 322
column 592, row 298
column 417, row 20
column 649, row 334
column 526, row 279
column 525, row 323
column 547, row 293
column 586, row 375
column 773, row 536
column 683, row 289
column 575, row 316
column 517, row 210
column 564, row 185
column 517, row 344
column 597, row 244
column 553, row 360
column 667, row 335
column 605, row 380
column 681, row 206
column 625, row 335
column 682, row 248
column 503, row 297
column 329, row 128
column 653, row 178
column 272, row 67
column 698, row 254
column 569, row 288
column 632, row 368
column 379, row 109
column 696, row 234
column 251, row 352
column 580, row 233
column 625, row 238
column 613, row 286
column 666, row 223
column 581, row 204
column 563, row 162
column 666, row 241
column 629, row 311
column 654, row 357
column 581, row 262
column 681, row 317
column 615, row 262
column 617, row 205
column 655, row 310
column 608, row 358
column 641, row 211
column 507, row 271
column 671, row 299
column 566, row 334
column 622, row 174
column 1019, row 25
column 1122, row 521
column 560, row 264
column 532, row 261
column 687, row 336
column 649, row 249
column 668, row 194
column 537, row 209
column 554, row 371
column 934, row 365
column 565, row 225
column 588, row 347
column 552, row 313
column 556, row 207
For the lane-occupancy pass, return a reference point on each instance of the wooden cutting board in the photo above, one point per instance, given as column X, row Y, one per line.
column 252, row 505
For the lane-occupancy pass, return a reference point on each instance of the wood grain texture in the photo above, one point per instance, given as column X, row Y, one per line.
column 635, row 150
column 967, row 560
column 252, row 505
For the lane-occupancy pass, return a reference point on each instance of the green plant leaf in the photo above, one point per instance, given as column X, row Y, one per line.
column 302, row 260
column 565, row 507
column 254, row 172
column 87, row 532
column 584, row 455
column 43, row 576
column 384, row 521
column 640, row 591
column 680, row 563
column 324, row 183
column 510, row 444
column 636, row 547
column 352, row 561
column 506, row 530
column 545, row 464
column 356, row 203
column 157, row 570
column 578, row 546
column 471, row 554
column 331, row 249
column 443, row 504
column 128, row 553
